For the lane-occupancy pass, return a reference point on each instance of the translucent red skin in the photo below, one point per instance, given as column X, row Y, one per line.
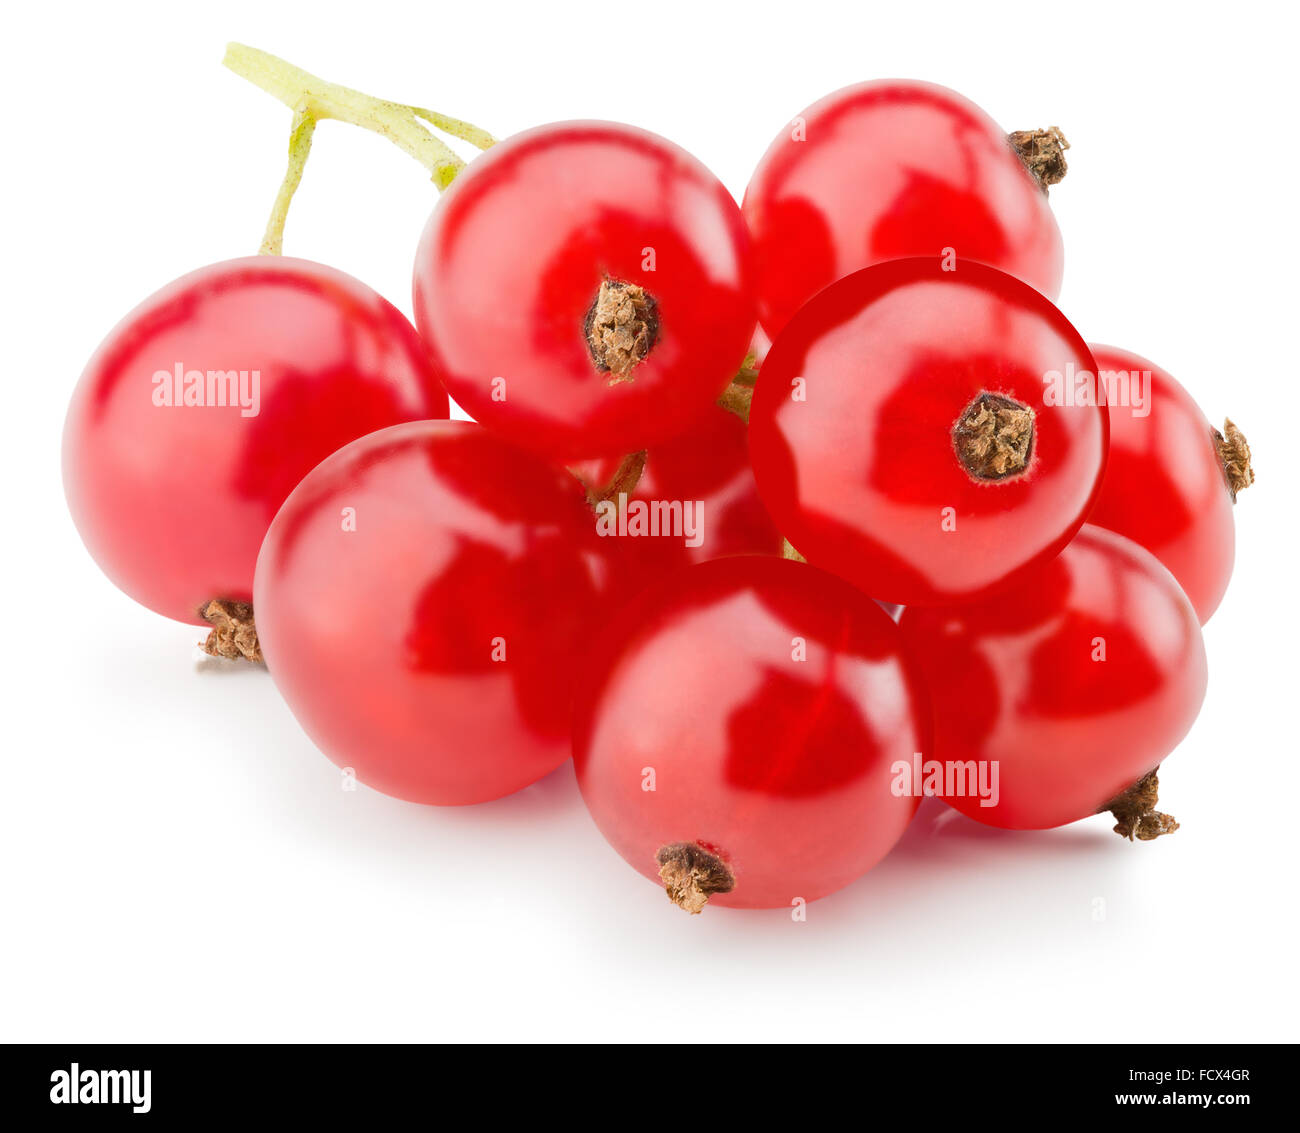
column 782, row 767
column 858, row 475
column 515, row 253
column 1016, row 682
column 889, row 169
column 381, row 639
column 709, row 466
column 173, row 502
column 1165, row 487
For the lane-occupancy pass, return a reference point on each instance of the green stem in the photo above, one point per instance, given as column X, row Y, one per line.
column 465, row 131
column 312, row 98
column 304, row 125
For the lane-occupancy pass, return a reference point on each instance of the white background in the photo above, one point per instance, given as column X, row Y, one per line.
column 178, row 862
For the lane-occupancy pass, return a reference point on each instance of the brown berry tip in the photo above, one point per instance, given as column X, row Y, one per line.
column 691, row 874
column 622, row 327
column 1135, row 811
column 994, row 437
column 1234, row 455
column 234, row 634
column 1043, row 153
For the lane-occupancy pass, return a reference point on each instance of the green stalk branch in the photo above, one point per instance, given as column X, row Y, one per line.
column 312, row 98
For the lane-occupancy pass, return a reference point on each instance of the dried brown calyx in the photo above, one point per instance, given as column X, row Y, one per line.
column 1135, row 811
column 1234, row 453
column 621, row 328
column 1043, row 152
column 234, row 634
column 994, row 437
column 691, row 874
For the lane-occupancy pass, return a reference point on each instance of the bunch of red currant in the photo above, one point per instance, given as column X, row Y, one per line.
column 930, row 542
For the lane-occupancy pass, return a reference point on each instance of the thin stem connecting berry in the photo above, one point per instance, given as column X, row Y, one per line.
column 312, row 99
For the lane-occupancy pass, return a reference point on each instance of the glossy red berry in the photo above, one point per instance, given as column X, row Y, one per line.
column 890, row 169
column 739, row 740
column 1171, row 477
column 694, row 499
column 586, row 289
column 423, row 599
column 207, row 404
column 928, row 434
column 1077, row 683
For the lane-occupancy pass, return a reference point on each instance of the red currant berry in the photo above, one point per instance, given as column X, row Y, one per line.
column 208, row 403
column 1171, row 478
column 694, row 499
column 423, row 598
column 920, row 431
column 890, row 169
column 586, row 290
column 710, row 466
column 739, row 740
column 1075, row 684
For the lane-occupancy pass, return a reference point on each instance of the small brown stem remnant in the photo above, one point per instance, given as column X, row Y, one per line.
column 994, row 437
column 234, row 634
column 625, row 479
column 1135, row 811
column 691, row 874
column 737, row 399
column 1043, row 152
column 1234, row 453
column 739, row 395
column 621, row 328
column 788, row 552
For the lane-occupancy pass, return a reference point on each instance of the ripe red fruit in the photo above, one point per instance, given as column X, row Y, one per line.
column 890, row 169
column 173, row 483
column 904, row 436
column 423, row 599
column 1171, row 478
column 705, row 477
column 1078, row 683
column 738, row 739
column 585, row 287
